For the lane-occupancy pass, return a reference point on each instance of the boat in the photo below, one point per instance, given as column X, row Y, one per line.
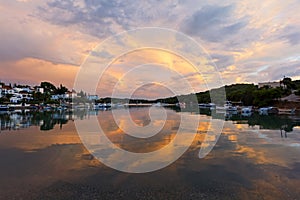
column 4, row 108
column 102, row 106
column 117, row 105
column 230, row 114
column 181, row 104
column 268, row 110
column 246, row 111
column 158, row 104
column 286, row 111
column 210, row 106
column 227, row 107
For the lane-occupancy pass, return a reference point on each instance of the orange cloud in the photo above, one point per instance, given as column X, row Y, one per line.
column 151, row 70
column 33, row 71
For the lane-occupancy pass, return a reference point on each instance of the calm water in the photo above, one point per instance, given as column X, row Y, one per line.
column 42, row 157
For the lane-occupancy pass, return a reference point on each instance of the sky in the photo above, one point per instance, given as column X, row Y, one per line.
column 49, row 40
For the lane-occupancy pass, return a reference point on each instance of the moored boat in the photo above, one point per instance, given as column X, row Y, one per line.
column 268, row 110
column 102, row 106
column 210, row 106
column 4, row 108
column 246, row 111
column 286, row 111
column 227, row 107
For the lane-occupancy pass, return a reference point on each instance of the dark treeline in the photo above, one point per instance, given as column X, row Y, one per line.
column 247, row 94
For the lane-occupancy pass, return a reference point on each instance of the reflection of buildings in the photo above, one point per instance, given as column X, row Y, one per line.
column 15, row 121
column 48, row 120
column 44, row 120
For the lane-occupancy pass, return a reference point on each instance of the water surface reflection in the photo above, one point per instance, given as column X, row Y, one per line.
column 42, row 157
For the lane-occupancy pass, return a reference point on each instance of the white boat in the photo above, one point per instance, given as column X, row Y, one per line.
column 246, row 111
column 286, row 111
column 210, row 106
column 181, row 104
column 157, row 104
column 227, row 107
column 102, row 106
column 4, row 108
column 117, row 105
column 230, row 114
column 268, row 110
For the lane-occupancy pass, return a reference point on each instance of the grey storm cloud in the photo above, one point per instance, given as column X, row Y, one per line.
column 213, row 23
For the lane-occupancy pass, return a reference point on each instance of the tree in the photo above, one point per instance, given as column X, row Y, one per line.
column 81, row 94
column 266, row 97
column 49, row 88
column 288, row 83
column 61, row 90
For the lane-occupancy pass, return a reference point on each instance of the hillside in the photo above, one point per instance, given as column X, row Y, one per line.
column 251, row 95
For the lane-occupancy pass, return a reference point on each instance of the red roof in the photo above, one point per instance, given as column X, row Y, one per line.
column 7, row 87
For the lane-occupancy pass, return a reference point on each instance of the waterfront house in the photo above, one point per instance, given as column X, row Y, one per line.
column 16, row 99
column 93, row 97
column 67, row 95
column 269, row 84
column 6, row 89
column 22, row 89
column 70, row 95
column 39, row 89
column 57, row 96
column 20, row 97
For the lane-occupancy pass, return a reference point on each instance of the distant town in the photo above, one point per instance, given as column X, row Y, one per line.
column 46, row 92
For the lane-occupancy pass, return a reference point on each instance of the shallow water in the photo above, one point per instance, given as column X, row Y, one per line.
column 42, row 157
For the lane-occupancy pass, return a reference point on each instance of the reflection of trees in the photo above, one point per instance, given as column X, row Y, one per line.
column 273, row 122
column 45, row 120
column 49, row 120
column 4, row 118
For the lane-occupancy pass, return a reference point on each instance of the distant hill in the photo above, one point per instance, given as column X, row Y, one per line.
column 250, row 94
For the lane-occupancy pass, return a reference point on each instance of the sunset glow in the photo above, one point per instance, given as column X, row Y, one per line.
column 249, row 41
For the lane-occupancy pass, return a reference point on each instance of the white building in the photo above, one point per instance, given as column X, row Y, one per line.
column 17, row 97
column 39, row 89
column 70, row 95
column 67, row 95
column 57, row 96
column 7, row 90
column 269, row 84
column 26, row 89
column 93, row 97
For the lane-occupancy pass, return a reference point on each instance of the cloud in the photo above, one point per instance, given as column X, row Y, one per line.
column 213, row 23
column 248, row 40
column 24, row 36
column 28, row 70
column 104, row 18
column 222, row 60
column 291, row 34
